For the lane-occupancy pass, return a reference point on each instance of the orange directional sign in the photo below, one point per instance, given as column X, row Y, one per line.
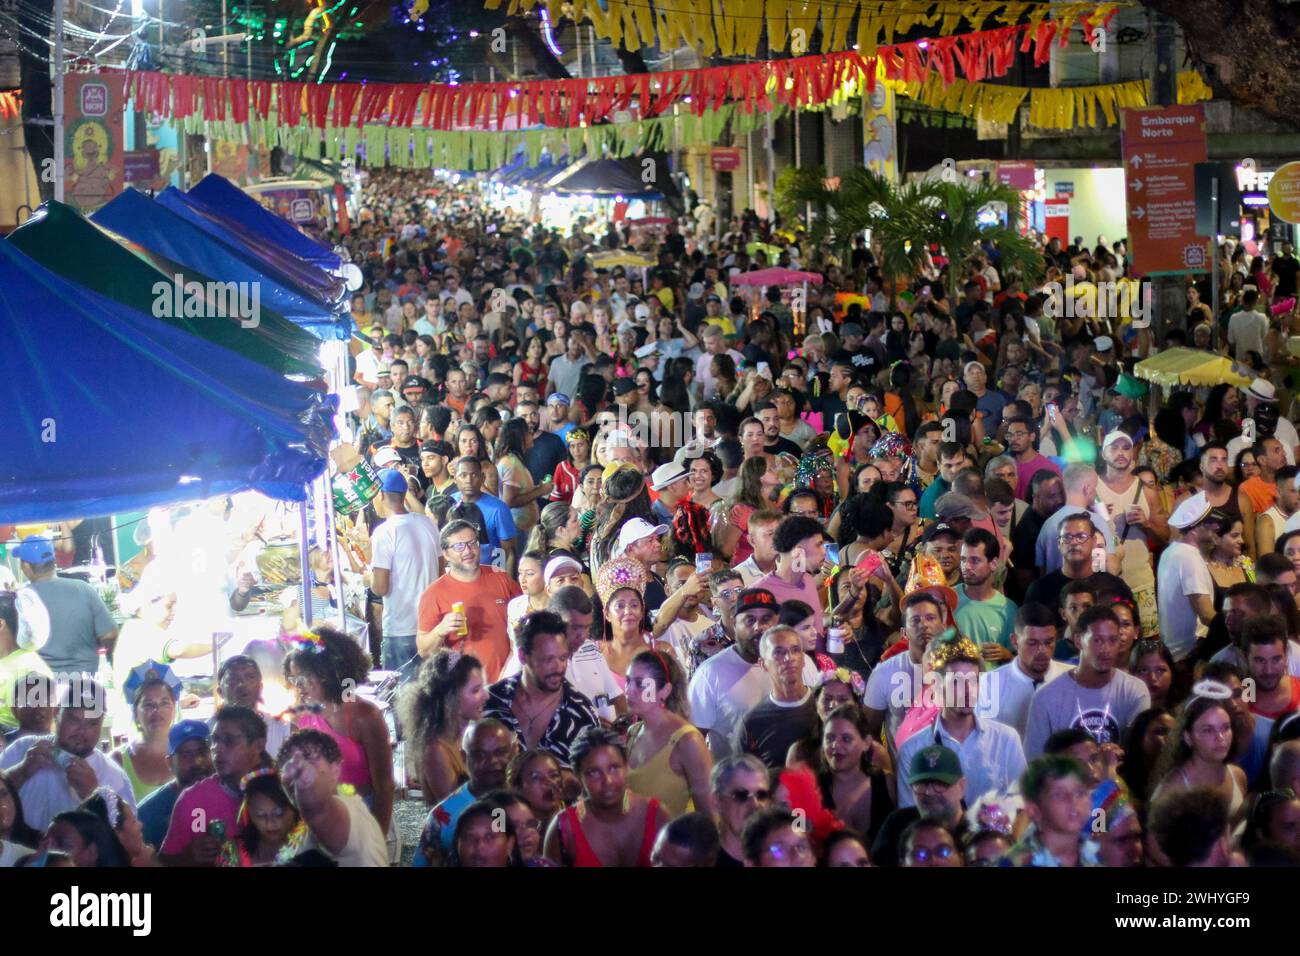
column 1162, row 146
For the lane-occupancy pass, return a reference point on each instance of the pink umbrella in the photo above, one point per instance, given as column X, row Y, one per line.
column 776, row 276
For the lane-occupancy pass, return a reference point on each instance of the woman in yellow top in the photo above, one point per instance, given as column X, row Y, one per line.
column 154, row 692
column 666, row 755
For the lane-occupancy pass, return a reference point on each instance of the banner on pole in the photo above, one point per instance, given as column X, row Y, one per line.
column 94, row 159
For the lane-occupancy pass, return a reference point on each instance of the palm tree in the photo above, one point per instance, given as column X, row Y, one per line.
column 909, row 218
column 947, row 214
column 843, row 208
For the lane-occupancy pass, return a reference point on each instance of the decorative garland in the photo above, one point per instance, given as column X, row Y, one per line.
column 759, row 87
column 735, row 27
column 479, row 150
column 1065, row 107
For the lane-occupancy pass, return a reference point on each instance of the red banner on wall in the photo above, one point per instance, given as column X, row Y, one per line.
column 1162, row 146
column 93, row 160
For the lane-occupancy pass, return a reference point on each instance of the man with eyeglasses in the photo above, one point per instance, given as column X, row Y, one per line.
column 1077, row 541
column 1080, row 497
column 741, row 787
column 788, row 714
column 479, row 627
column 940, row 789
column 1022, row 436
column 1094, row 695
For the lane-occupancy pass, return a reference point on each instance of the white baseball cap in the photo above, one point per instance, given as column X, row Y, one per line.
column 1103, row 343
column 558, row 564
column 634, row 531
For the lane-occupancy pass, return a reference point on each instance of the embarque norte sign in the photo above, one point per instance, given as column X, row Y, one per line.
column 1162, row 146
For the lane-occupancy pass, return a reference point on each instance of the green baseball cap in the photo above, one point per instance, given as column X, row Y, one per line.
column 935, row 763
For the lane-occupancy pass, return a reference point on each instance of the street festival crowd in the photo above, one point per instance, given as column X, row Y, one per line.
column 679, row 572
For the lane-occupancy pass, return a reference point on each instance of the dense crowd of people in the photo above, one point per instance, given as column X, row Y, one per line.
column 681, row 572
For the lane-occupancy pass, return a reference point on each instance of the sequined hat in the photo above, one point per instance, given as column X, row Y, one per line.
column 618, row 574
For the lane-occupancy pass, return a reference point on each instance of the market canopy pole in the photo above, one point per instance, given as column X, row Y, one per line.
column 58, row 99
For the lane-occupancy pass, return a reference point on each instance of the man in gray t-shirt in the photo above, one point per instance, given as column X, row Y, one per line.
column 566, row 370
column 1093, row 695
column 79, row 619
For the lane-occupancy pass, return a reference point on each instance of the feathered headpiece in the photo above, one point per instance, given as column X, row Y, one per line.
column 620, row 573
column 894, row 445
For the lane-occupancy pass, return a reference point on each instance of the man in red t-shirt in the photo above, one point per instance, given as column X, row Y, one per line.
column 484, row 591
column 1277, row 693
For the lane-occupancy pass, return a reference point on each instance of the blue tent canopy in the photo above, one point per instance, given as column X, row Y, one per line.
column 326, row 288
column 137, row 217
column 222, row 196
column 110, row 410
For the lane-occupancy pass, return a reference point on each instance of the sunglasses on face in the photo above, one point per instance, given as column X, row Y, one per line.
column 744, row 796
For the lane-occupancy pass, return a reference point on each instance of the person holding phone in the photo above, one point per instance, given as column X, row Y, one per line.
column 800, row 564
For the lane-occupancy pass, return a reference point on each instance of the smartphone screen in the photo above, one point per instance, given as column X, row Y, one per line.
column 703, row 563
column 833, row 553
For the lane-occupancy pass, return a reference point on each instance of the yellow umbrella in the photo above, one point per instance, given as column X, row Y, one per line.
column 1182, row 366
column 620, row 257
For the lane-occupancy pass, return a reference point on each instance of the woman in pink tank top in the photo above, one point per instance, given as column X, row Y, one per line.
column 610, row 825
column 325, row 667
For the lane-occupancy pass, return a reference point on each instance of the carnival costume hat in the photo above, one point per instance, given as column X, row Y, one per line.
column 620, row 573
column 929, row 577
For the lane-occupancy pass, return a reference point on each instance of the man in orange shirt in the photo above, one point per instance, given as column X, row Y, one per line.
column 484, row 591
column 457, row 390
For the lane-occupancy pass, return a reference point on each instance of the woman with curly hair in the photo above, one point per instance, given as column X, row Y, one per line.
column 447, row 694
column 325, row 668
column 624, row 497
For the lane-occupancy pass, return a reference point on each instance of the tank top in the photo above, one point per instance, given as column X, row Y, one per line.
column 584, row 855
column 655, row 778
column 356, row 768
column 139, row 788
column 1231, row 507
column 1135, row 568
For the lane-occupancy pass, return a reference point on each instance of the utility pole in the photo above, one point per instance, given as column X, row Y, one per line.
column 1167, row 292
column 58, row 100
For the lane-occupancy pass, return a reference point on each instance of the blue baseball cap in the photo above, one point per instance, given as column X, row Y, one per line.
column 35, row 549
column 187, row 730
column 392, row 480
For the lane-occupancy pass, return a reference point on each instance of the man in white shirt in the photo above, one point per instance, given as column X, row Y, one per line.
column 452, row 290
column 1095, row 696
column 762, row 531
column 729, row 683
column 56, row 773
column 404, row 562
column 990, row 752
column 895, row 684
column 1006, row 692
column 1184, row 588
column 1246, row 329
column 715, row 343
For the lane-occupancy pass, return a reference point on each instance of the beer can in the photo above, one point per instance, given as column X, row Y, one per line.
column 459, row 608
column 217, row 830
